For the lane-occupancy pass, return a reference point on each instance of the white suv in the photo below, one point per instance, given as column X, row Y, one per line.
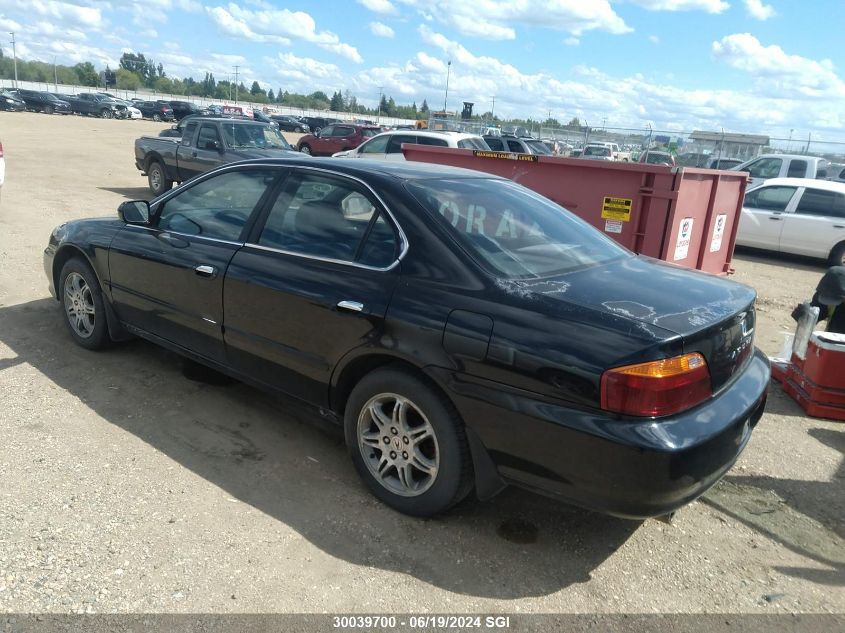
column 388, row 145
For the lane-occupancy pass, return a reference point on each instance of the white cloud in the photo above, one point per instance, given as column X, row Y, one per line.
column 497, row 19
column 381, row 30
column 9, row 25
column 278, row 26
column 756, row 9
column 654, row 39
column 779, row 71
column 149, row 33
column 89, row 17
column 384, row 7
column 710, row 6
column 572, row 41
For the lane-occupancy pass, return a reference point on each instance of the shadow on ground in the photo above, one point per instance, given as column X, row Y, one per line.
column 130, row 193
column 266, row 452
column 797, row 262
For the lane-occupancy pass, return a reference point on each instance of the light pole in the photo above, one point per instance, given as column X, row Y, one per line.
column 14, row 57
column 55, row 75
column 236, row 83
column 378, row 115
column 493, row 108
column 448, row 71
column 789, row 144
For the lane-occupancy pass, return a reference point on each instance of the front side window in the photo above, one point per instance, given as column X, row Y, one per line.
column 208, row 137
column 821, row 202
column 765, row 168
column 515, row 146
column 538, row 147
column 327, row 131
column 512, row 231
column 496, row 144
column 432, row 141
column 769, row 198
column 343, row 130
column 217, row 207
column 326, row 217
column 377, row 145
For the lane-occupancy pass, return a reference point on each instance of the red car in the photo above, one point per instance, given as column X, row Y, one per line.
column 337, row 137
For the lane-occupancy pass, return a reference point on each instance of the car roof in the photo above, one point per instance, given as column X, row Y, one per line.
column 800, row 156
column 827, row 185
column 213, row 118
column 431, row 133
column 401, row 170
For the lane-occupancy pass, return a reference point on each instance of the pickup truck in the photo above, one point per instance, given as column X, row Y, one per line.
column 96, row 104
column 769, row 166
column 615, row 152
column 206, row 143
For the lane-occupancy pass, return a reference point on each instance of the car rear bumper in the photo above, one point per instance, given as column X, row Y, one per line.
column 628, row 467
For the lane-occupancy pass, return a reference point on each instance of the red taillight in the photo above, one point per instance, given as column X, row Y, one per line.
column 164, row 109
column 656, row 388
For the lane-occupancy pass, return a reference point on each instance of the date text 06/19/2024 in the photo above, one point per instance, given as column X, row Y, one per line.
column 421, row 621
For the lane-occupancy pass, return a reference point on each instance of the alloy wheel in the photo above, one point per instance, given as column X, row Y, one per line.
column 155, row 178
column 398, row 444
column 79, row 305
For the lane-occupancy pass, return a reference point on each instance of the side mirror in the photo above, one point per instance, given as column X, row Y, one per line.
column 212, row 145
column 134, row 212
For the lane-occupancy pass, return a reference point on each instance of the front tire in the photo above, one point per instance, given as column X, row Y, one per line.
column 48, row 109
column 157, row 179
column 305, row 149
column 837, row 255
column 407, row 443
column 83, row 307
column 106, row 113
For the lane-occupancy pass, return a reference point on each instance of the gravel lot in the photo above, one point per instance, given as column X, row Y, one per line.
column 127, row 487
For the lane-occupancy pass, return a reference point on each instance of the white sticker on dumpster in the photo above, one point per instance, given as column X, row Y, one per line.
column 684, row 238
column 718, row 232
column 613, row 226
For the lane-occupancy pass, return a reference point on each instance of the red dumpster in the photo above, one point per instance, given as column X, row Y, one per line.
column 681, row 215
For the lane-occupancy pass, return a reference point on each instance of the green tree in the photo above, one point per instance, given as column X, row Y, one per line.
column 336, row 103
column 271, row 98
column 256, row 89
column 86, row 74
column 424, row 107
column 127, row 80
column 164, row 84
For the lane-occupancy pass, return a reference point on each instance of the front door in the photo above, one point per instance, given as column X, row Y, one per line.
column 313, row 283
column 763, row 213
column 167, row 278
column 204, row 156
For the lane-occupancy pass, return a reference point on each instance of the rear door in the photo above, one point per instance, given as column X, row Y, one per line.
column 344, row 138
column 167, row 278
column 323, row 144
column 313, row 283
column 816, row 225
column 394, row 145
column 763, row 213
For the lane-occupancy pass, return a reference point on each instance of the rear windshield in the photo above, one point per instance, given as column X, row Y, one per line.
column 538, row 147
column 367, row 132
column 512, row 231
column 592, row 150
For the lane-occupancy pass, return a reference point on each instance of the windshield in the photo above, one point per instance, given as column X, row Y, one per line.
column 512, row 231
column 239, row 135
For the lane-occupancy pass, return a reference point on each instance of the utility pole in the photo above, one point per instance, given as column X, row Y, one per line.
column 236, row 83
column 378, row 116
column 14, row 57
column 448, row 71
column 55, row 75
column 493, row 107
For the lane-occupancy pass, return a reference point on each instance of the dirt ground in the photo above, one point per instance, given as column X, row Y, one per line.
column 127, row 487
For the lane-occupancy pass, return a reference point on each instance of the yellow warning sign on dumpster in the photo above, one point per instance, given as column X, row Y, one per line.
column 616, row 209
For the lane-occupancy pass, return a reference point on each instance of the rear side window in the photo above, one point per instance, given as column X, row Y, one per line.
column 325, row 217
column 430, row 140
column 515, row 146
column 188, row 134
column 343, row 130
column 820, row 202
column 496, row 144
column 394, row 145
column 769, row 198
column 375, row 146
column 471, row 143
column 797, row 169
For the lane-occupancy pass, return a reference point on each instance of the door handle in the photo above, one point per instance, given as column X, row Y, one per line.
column 839, row 226
column 194, row 154
column 205, row 271
column 775, row 218
column 352, row 306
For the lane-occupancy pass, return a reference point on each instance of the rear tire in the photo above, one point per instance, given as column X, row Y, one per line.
column 407, row 443
column 48, row 109
column 837, row 255
column 157, row 178
column 305, row 149
column 157, row 117
column 82, row 303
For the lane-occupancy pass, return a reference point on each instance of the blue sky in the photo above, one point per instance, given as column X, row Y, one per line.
column 766, row 66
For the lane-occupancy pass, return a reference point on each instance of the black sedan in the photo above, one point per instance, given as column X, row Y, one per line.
column 290, row 124
column 46, row 102
column 465, row 331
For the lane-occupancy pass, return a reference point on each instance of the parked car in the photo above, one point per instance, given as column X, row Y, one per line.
column 181, row 109
column 316, row 123
column 337, row 137
column 156, row 110
column 516, row 130
column 597, row 152
column 723, row 163
column 11, row 101
column 693, row 159
column 459, row 350
column 657, row 157
column 517, row 145
column 388, row 145
column 206, row 143
column 769, row 166
column 258, row 115
column 290, row 124
column 615, row 152
column 836, row 172
column 39, row 101
column 801, row 216
column 94, row 104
